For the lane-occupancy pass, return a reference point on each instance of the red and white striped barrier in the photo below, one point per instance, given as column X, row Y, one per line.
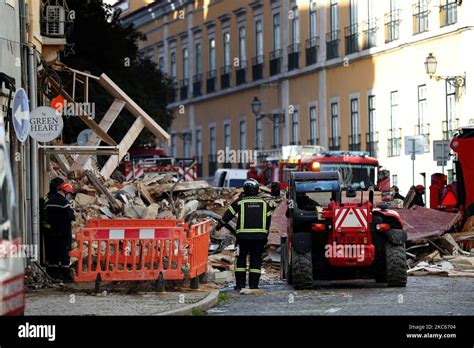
column 130, row 233
column 190, row 176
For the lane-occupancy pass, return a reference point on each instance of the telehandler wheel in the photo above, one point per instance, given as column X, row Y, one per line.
column 396, row 265
column 284, row 260
column 302, row 270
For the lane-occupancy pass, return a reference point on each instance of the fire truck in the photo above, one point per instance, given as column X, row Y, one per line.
column 139, row 163
column 12, row 294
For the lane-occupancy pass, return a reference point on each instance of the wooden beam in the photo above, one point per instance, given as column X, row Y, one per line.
column 105, row 125
column 124, row 146
column 134, row 109
column 84, row 117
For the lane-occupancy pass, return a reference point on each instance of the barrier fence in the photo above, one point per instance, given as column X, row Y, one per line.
column 128, row 250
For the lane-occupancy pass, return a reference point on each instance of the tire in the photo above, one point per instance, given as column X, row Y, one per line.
column 396, row 267
column 302, row 269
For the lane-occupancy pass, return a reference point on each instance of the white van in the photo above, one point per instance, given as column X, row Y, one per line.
column 12, row 294
column 230, row 177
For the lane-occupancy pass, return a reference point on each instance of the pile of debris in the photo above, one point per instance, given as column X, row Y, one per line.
column 448, row 254
column 36, row 278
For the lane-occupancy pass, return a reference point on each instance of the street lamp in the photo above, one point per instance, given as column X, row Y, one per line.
column 431, row 64
column 276, row 118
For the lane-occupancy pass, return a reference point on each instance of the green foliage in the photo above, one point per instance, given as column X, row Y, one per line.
column 100, row 44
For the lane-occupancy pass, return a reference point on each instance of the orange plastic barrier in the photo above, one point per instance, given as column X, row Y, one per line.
column 127, row 250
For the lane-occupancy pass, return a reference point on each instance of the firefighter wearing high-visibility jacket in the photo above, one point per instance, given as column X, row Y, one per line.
column 253, row 223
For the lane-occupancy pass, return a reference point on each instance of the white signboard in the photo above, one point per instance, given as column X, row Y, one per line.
column 441, row 150
column 414, row 145
column 21, row 115
column 46, row 124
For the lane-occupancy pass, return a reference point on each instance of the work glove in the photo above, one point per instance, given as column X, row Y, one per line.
column 220, row 224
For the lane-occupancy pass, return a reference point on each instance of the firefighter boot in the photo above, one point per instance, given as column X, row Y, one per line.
column 240, row 276
column 254, row 278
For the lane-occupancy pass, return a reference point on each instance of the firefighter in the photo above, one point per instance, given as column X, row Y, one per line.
column 45, row 228
column 396, row 193
column 418, row 199
column 253, row 223
column 304, row 202
column 59, row 216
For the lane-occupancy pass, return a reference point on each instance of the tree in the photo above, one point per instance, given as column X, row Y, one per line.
column 100, row 44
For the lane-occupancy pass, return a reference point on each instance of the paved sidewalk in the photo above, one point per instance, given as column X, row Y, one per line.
column 70, row 302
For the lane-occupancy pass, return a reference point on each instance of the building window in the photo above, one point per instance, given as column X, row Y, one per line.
column 161, row 63
column 370, row 27
column 448, row 12
column 185, row 63
column 242, row 50
column 354, row 137
column 294, row 48
column 392, row 22
column 226, row 49
column 199, row 150
column 335, row 140
column 313, row 19
column 276, row 32
column 450, row 124
column 259, row 134
column 295, row 26
column 173, row 145
column 212, row 54
column 198, row 59
column 423, row 127
column 313, row 126
column 332, row 38
column 243, row 135
column 394, row 136
column 212, row 150
column 420, row 17
column 372, row 135
column 276, row 136
column 352, row 31
column 183, row 84
column 295, row 129
column 227, row 135
column 395, row 179
column 225, row 70
column 187, row 147
column 173, row 65
column 259, row 38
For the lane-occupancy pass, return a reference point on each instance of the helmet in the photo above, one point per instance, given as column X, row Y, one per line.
column 66, row 187
column 54, row 184
column 420, row 187
column 251, row 187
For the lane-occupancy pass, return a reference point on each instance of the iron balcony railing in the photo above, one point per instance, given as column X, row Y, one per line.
column 197, row 85
column 332, row 44
column 354, row 142
column 312, row 46
column 449, row 128
column 370, row 34
column 275, row 62
column 372, row 143
column 352, row 38
column 392, row 26
column 225, row 76
column 335, row 143
column 314, row 141
column 211, row 81
column 394, row 142
column 183, row 89
column 241, row 73
column 293, row 56
column 448, row 13
column 257, row 67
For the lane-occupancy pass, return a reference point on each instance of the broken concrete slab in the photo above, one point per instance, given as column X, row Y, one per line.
column 150, row 212
column 223, row 277
column 82, row 200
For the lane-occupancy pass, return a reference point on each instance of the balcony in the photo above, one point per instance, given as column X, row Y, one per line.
column 240, row 73
column 335, row 143
column 212, row 164
column 370, row 34
column 211, row 81
column 372, row 143
column 257, row 67
column 55, row 21
column 293, row 56
column 312, row 46
column 420, row 19
column 172, row 96
column 314, row 141
column 394, row 142
column 392, row 26
column 183, row 89
column 424, row 130
column 332, row 44
column 449, row 128
column 225, row 76
column 354, row 142
column 275, row 62
column 352, row 38
column 448, row 14
column 197, row 85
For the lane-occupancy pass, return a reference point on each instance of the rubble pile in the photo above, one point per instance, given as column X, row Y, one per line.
column 36, row 278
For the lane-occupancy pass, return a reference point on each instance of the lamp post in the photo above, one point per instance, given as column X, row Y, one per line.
column 431, row 64
column 277, row 118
